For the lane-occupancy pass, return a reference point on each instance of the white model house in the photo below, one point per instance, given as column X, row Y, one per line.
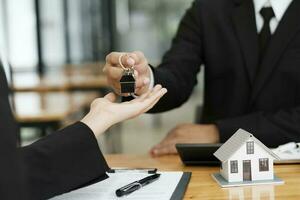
column 245, row 158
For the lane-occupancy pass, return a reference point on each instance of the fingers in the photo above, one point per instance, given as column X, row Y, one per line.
column 157, row 99
column 163, row 150
column 141, row 82
column 114, row 75
column 154, row 97
column 142, row 97
column 111, row 97
column 165, row 142
column 142, row 85
column 128, row 59
column 138, row 56
column 156, row 89
column 148, row 100
column 113, row 59
column 112, row 67
column 135, row 59
column 167, row 145
column 114, row 71
column 149, row 93
column 141, row 65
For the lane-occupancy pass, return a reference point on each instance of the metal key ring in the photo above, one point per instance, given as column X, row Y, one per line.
column 134, row 95
column 126, row 69
column 120, row 62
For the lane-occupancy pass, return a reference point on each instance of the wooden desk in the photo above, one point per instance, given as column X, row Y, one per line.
column 67, row 78
column 43, row 101
column 202, row 186
column 49, row 110
column 40, row 107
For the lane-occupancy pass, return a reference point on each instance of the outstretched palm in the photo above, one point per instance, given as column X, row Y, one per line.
column 117, row 112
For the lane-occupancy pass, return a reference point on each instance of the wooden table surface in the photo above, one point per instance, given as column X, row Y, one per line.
column 35, row 107
column 58, row 95
column 70, row 77
column 202, row 186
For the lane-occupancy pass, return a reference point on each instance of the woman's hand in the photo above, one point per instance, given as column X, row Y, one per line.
column 105, row 113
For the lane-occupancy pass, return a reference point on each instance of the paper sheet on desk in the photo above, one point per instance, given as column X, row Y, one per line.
column 288, row 153
column 162, row 189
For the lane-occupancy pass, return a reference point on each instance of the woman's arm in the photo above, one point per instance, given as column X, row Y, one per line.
column 71, row 158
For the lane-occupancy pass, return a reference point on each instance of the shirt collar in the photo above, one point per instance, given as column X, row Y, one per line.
column 279, row 6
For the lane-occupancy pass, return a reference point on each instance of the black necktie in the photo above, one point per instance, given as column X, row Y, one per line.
column 265, row 35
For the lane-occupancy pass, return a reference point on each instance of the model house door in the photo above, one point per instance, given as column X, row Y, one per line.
column 247, row 170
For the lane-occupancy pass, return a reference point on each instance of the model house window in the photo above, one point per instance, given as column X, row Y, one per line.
column 263, row 164
column 250, row 147
column 234, row 166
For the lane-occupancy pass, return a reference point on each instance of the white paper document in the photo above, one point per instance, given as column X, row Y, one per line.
column 162, row 189
column 288, row 153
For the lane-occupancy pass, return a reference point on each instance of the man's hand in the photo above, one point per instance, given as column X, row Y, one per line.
column 186, row 133
column 105, row 113
column 114, row 71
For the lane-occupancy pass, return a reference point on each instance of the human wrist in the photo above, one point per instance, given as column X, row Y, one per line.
column 97, row 124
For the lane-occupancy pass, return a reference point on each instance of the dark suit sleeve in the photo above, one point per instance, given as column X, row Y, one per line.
column 63, row 161
column 180, row 65
column 270, row 127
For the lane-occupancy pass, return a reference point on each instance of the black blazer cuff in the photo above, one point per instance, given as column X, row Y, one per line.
column 91, row 144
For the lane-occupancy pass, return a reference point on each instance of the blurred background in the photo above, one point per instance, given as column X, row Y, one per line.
column 53, row 52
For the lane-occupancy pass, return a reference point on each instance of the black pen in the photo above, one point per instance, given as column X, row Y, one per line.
column 127, row 189
column 135, row 170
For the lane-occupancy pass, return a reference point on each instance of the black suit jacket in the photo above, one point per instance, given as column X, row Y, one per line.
column 222, row 35
column 65, row 160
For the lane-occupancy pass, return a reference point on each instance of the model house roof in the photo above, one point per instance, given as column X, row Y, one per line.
column 235, row 142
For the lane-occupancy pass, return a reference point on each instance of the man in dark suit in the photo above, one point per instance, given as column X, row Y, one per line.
column 251, row 53
column 65, row 160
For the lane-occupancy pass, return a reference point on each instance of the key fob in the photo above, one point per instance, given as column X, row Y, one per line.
column 127, row 82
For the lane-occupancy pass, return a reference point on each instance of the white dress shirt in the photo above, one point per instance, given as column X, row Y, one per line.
column 279, row 8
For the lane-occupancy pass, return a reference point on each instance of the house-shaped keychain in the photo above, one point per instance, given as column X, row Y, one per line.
column 245, row 161
column 127, row 82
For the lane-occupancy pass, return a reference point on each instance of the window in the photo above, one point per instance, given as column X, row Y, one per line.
column 234, row 166
column 263, row 164
column 250, row 147
column 21, row 29
column 135, row 20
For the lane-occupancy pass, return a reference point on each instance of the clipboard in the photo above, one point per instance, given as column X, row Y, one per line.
column 171, row 185
column 180, row 190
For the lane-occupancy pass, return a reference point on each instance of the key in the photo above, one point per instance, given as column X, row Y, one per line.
column 127, row 82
